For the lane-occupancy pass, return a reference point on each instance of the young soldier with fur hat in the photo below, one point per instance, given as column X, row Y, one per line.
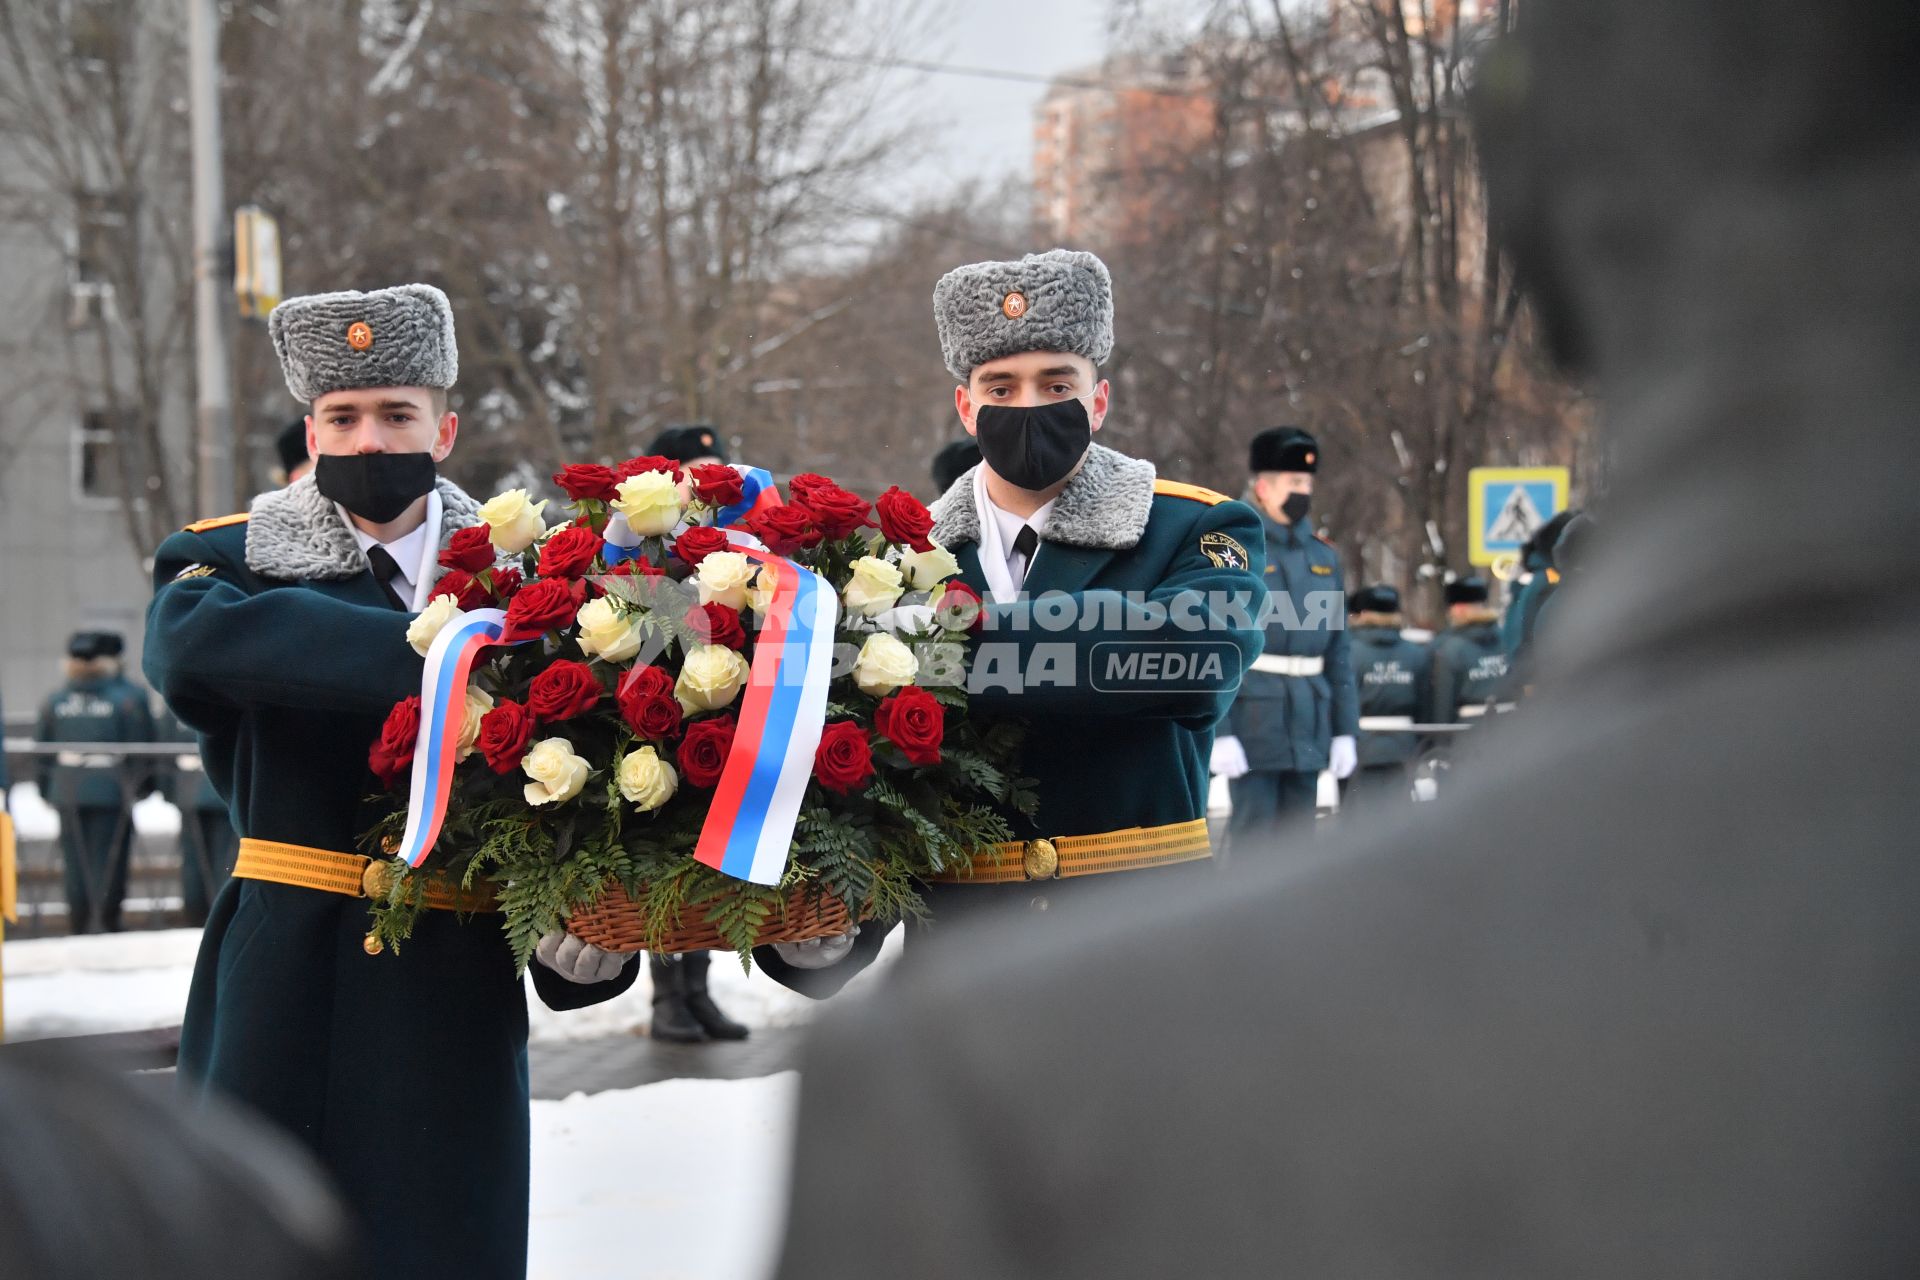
column 281, row 639
column 1119, row 609
column 1297, row 712
column 1469, row 662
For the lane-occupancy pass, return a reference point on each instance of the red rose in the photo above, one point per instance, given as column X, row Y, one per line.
column 844, row 760
column 587, row 480
column 469, row 549
column 805, row 483
column 563, row 691
column 785, row 530
column 914, row 721
column 837, row 512
column 464, row 588
column 959, row 607
column 505, row 733
column 699, row 542
column 903, row 519
column 392, row 754
column 506, row 581
column 717, row 624
column 703, row 752
column 569, row 553
column 634, row 466
column 647, row 704
column 541, row 606
column 718, row 486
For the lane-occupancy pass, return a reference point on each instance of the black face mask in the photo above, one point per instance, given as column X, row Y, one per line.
column 1033, row 447
column 1295, row 507
column 374, row 486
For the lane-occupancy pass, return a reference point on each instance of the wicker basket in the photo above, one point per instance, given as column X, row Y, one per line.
column 616, row 923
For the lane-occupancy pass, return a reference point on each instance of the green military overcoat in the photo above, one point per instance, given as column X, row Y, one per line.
column 406, row 1074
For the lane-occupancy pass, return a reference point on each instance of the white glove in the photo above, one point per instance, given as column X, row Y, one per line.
column 1343, row 757
column 577, row 960
column 1229, row 758
column 817, row 953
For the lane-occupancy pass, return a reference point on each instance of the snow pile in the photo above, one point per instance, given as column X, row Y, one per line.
column 683, row 1179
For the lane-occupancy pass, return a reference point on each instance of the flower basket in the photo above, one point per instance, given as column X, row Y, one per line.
column 618, row 923
column 692, row 716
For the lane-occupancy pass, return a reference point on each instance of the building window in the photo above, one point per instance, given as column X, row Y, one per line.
column 100, row 221
column 98, row 457
column 93, row 32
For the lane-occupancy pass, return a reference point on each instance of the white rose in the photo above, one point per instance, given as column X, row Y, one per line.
column 722, row 578
column 606, row 633
column 430, row 621
column 650, row 501
column 874, row 588
column 760, row 592
column 926, row 569
column 479, row 702
column 513, row 520
column 646, row 779
column 884, row 665
column 558, row 774
column 710, row 678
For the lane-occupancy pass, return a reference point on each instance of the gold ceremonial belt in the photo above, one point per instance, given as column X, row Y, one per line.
column 347, row 873
column 1064, row 856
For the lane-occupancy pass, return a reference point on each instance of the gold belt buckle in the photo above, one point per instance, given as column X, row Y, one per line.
column 1041, row 860
column 377, row 880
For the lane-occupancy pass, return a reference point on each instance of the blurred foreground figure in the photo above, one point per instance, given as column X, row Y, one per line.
column 1639, row 997
column 100, row 1177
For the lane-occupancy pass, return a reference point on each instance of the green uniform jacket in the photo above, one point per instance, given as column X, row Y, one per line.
column 406, row 1073
column 1119, row 715
column 1286, row 724
column 103, row 708
column 1395, row 678
column 1469, row 669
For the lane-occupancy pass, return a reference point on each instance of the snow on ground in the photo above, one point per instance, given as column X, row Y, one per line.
column 683, row 1180
column 134, row 981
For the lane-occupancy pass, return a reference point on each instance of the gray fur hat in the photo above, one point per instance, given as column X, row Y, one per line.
column 1060, row 300
column 399, row 337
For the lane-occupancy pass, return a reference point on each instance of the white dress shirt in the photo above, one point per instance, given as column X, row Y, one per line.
column 416, row 553
column 1004, row 568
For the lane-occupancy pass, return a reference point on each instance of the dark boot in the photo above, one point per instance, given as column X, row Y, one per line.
column 693, row 976
column 671, row 1019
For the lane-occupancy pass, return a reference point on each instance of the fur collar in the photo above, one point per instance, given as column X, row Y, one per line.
column 295, row 533
column 1476, row 617
column 1104, row 507
column 1384, row 621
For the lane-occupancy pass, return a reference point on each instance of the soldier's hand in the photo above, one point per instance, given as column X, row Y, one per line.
column 577, row 960
column 1229, row 758
column 1343, row 757
column 817, row 953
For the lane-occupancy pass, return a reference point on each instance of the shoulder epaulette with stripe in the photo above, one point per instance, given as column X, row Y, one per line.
column 217, row 522
column 1178, row 489
column 1324, row 538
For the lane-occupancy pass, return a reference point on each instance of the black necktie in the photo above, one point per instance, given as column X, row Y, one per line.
column 385, row 569
column 1025, row 542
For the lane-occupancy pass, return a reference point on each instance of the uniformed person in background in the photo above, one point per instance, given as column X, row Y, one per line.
column 683, row 1008
column 94, row 792
column 208, row 842
column 1118, row 761
column 1394, row 674
column 280, row 637
column 291, row 445
column 1297, row 712
column 1469, row 662
column 1531, row 588
column 955, row 459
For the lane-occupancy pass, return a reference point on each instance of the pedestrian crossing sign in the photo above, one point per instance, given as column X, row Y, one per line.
column 1506, row 504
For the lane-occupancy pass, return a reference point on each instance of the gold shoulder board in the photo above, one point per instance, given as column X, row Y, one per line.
column 1178, row 489
column 217, row 522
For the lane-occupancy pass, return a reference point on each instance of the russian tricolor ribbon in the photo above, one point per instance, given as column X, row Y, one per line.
column 749, row 828
column 443, row 713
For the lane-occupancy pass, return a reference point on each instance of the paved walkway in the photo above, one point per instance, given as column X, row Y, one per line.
column 563, row 1067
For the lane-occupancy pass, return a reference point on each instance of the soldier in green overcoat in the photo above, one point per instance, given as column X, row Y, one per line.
column 281, row 639
column 1121, row 611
